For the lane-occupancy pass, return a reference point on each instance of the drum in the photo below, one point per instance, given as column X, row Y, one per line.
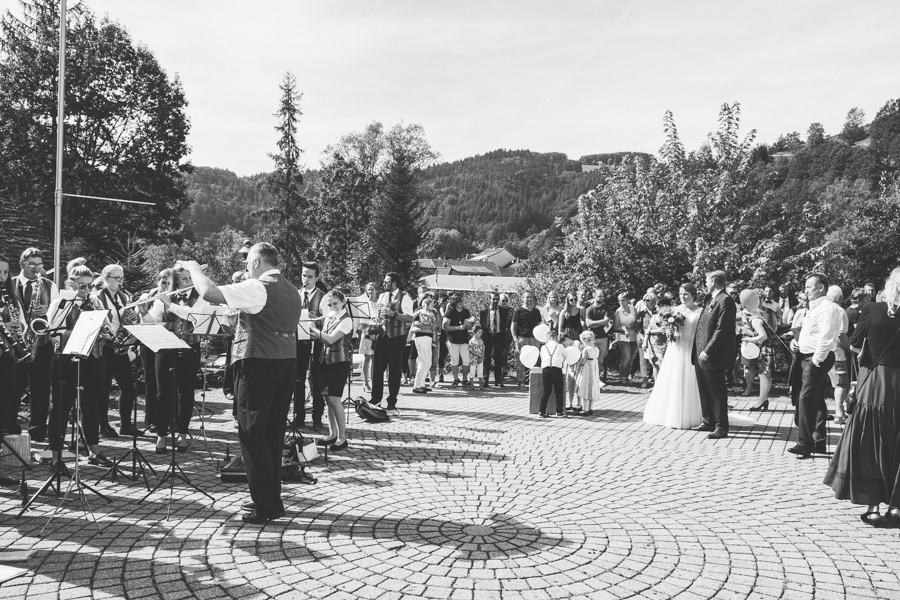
column 750, row 351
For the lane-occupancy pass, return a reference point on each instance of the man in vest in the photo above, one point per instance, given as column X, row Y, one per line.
column 36, row 374
column 264, row 356
column 308, row 352
column 396, row 315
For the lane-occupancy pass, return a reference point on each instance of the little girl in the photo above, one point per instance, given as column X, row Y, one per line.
column 587, row 378
column 476, row 354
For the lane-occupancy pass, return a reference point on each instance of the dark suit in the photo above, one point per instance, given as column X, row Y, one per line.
column 495, row 344
column 307, row 351
column 715, row 336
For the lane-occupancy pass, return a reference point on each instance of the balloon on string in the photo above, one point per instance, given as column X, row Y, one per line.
column 528, row 356
column 750, row 299
column 542, row 333
column 750, row 351
column 573, row 355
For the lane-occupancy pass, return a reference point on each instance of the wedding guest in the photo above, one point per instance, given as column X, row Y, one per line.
column 596, row 319
column 443, row 350
column 625, row 328
column 758, row 327
column 569, row 324
column 799, row 314
column 869, row 288
column 840, row 372
column 732, row 376
column 457, row 323
column 553, row 359
column 504, row 303
column 863, row 469
column 587, row 376
column 476, row 355
column 524, row 320
column 366, row 341
column 644, row 314
column 787, row 305
column 411, row 344
column 858, row 299
column 772, row 301
column 336, row 360
column 656, row 335
column 494, row 321
column 814, row 357
column 425, row 332
column 552, row 311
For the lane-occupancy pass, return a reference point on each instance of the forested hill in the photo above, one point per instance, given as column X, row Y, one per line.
column 492, row 196
column 222, row 198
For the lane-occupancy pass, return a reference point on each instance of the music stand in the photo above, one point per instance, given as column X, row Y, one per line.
column 358, row 310
column 159, row 339
column 81, row 342
column 207, row 326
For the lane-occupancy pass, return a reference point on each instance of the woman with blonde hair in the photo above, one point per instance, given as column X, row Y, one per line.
column 865, row 468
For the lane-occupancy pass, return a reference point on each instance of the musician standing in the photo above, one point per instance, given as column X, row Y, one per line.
column 307, row 351
column 264, row 355
column 113, row 297
column 148, row 356
column 396, row 312
column 35, row 293
column 13, row 320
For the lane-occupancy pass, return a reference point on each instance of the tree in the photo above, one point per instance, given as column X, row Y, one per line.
column 445, row 243
column 853, row 130
column 125, row 128
column 886, row 140
column 815, row 135
column 287, row 216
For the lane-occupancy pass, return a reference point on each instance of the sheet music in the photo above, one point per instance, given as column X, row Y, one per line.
column 156, row 337
column 209, row 319
column 85, row 332
column 303, row 326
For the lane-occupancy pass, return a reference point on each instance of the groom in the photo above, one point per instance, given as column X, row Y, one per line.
column 713, row 354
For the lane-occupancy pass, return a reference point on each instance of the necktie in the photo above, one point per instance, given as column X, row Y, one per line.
column 495, row 327
column 305, row 299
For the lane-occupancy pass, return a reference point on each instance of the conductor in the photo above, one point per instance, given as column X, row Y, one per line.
column 264, row 359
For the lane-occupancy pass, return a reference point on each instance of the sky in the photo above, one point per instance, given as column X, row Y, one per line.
column 572, row 76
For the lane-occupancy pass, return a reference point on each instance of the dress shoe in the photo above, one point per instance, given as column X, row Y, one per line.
column 762, row 407
column 426, row 389
column 325, row 441
column 183, row 447
column 253, row 518
column 801, row 450
column 705, row 427
column 419, row 391
column 248, row 505
column 338, row 447
column 129, row 430
column 99, row 460
column 161, row 450
column 718, row 434
column 107, row 431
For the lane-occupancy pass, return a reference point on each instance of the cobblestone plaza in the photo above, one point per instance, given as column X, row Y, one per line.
column 466, row 495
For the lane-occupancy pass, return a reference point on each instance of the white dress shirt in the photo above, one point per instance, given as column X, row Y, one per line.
column 249, row 295
column 553, row 355
column 819, row 333
column 406, row 304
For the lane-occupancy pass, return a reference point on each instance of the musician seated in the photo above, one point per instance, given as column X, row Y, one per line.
column 174, row 312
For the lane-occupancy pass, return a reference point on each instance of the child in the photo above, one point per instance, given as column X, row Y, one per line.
column 476, row 354
column 587, row 378
column 553, row 359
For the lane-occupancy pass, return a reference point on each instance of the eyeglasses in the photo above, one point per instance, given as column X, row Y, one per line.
column 119, row 279
column 83, row 286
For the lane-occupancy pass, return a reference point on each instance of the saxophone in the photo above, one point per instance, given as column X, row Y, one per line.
column 13, row 342
column 32, row 338
column 129, row 316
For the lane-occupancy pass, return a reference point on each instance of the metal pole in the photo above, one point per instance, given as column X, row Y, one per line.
column 60, row 115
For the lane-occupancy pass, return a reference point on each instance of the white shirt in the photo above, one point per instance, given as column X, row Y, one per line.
column 839, row 352
column 249, row 295
column 553, row 355
column 406, row 305
column 24, row 281
column 819, row 333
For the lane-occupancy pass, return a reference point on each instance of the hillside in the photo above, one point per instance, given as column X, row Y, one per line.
column 222, row 198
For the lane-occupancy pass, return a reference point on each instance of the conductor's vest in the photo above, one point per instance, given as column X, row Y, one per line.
column 272, row 332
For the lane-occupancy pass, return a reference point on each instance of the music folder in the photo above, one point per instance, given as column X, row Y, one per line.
column 156, row 337
column 84, row 334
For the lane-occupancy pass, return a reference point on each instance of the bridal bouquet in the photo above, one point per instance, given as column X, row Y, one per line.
column 672, row 324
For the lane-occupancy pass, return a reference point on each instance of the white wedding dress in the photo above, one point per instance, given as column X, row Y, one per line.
column 675, row 399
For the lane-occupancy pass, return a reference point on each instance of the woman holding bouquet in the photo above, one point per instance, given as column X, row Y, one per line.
column 675, row 399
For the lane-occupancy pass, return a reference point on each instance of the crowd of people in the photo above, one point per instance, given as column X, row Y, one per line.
column 427, row 338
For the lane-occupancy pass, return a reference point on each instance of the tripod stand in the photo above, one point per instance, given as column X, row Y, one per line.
column 139, row 464
column 207, row 329
column 174, row 471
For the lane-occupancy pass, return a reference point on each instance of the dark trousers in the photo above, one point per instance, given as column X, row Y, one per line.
column 443, row 352
column 228, row 378
column 388, row 355
column 812, row 412
column 148, row 363
column 118, row 366
column 36, row 376
column 64, row 383
column 493, row 354
column 553, row 382
column 713, row 396
column 186, row 364
column 263, row 388
column 9, row 402
column 307, row 361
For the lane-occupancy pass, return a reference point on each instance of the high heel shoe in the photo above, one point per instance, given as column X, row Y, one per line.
column 762, row 407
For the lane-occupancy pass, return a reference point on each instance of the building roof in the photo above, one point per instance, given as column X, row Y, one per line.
column 479, row 283
column 471, row 270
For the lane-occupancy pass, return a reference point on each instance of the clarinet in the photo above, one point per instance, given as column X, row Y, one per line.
column 11, row 342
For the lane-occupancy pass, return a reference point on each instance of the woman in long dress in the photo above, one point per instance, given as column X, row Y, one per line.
column 675, row 399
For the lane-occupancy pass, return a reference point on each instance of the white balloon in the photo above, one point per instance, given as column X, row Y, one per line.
column 573, row 355
column 529, row 355
column 542, row 333
column 750, row 351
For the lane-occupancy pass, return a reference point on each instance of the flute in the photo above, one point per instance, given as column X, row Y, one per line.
column 154, row 297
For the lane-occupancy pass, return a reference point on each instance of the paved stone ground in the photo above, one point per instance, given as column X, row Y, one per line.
column 466, row 495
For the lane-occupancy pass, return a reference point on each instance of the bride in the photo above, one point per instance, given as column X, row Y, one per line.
column 675, row 399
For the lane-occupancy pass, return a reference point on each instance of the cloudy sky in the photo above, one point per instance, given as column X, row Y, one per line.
column 569, row 76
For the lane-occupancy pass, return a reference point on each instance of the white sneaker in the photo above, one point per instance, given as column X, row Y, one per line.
column 394, row 412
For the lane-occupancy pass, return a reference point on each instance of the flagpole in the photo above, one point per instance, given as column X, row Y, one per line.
column 60, row 115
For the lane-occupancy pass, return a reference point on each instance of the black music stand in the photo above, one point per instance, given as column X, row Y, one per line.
column 207, row 326
column 84, row 336
column 159, row 339
column 358, row 310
